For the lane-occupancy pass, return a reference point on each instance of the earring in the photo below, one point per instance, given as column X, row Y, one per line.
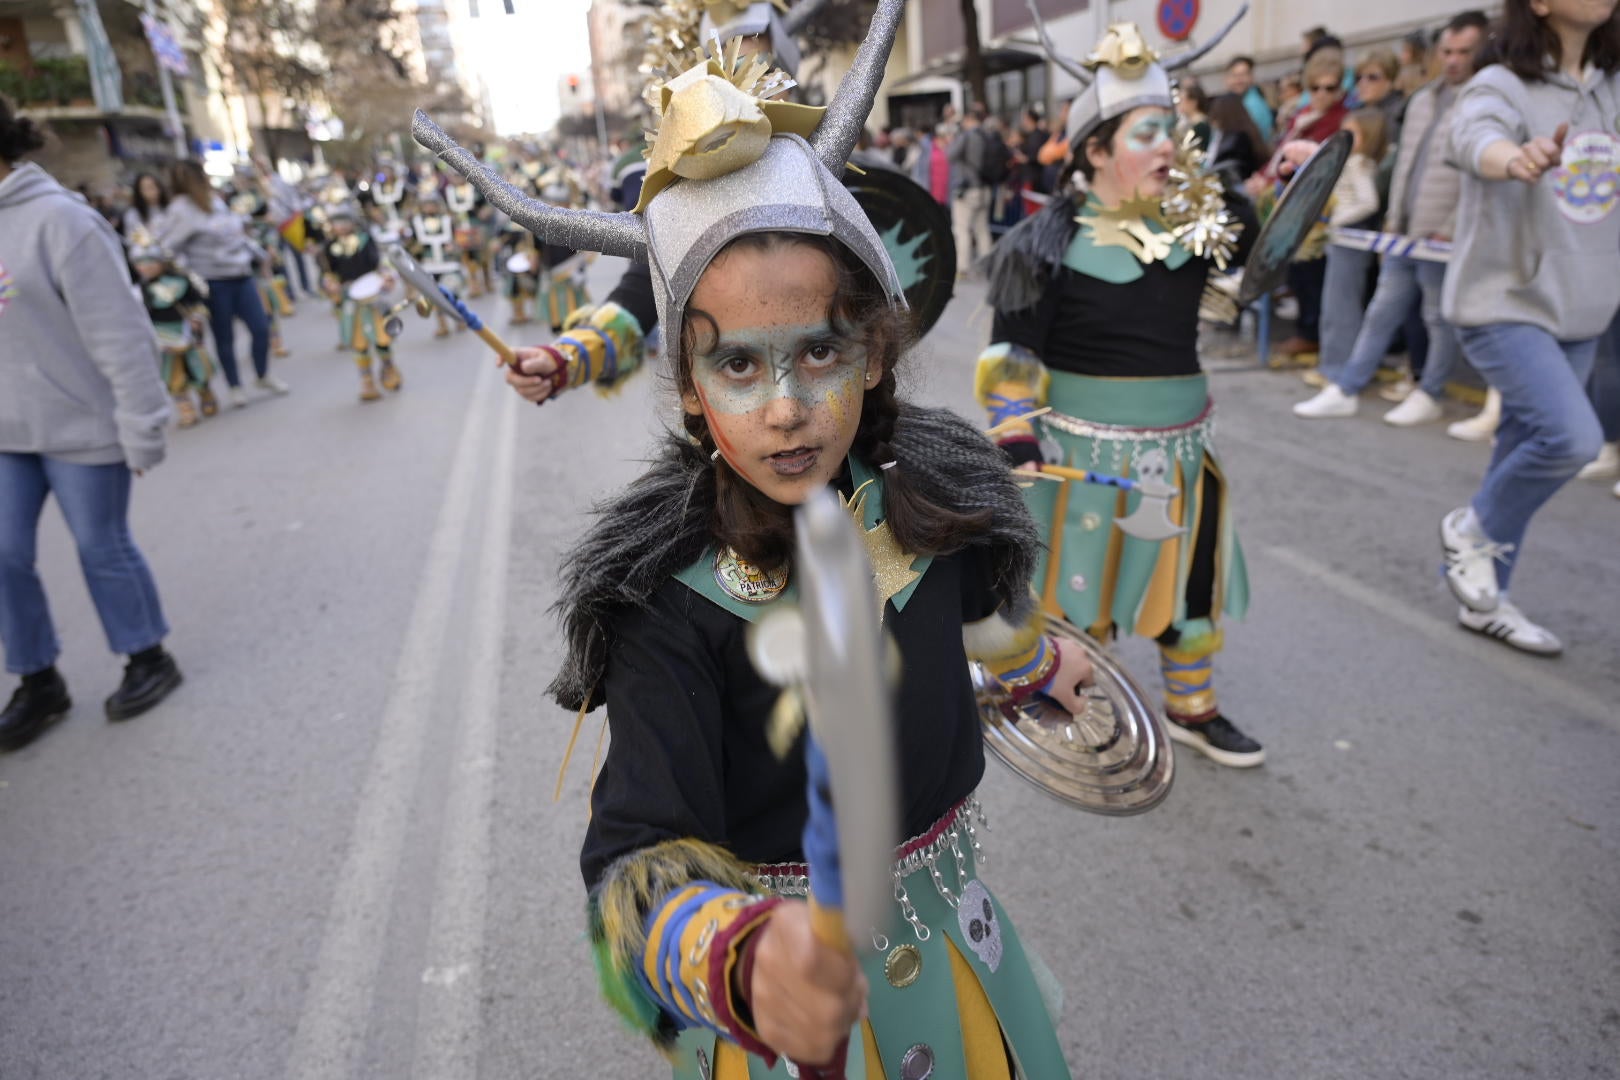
column 715, row 456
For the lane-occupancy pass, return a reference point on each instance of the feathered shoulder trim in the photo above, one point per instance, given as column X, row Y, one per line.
column 1022, row 263
column 660, row 525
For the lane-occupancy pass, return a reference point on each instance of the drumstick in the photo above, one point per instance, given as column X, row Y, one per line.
column 476, row 325
column 1059, row 472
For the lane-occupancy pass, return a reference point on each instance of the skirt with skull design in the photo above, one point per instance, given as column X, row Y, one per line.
column 1095, row 574
column 953, row 991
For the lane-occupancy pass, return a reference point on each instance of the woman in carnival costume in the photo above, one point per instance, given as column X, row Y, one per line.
column 692, row 858
column 349, row 255
column 1097, row 302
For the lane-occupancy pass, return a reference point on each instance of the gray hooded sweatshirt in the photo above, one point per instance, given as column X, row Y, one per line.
column 214, row 245
column 1546, row 254
column 78, row 359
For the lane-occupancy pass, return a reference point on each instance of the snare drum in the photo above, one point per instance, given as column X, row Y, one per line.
column 366, row 287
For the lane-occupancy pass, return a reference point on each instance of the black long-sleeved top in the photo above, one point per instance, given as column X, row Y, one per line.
column 1142, row 329
column 688, row 756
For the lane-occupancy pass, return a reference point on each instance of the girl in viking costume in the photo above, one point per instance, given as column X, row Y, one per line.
column 1097, row 302
column 178, row 307
column 785, row 322
column 349, row 255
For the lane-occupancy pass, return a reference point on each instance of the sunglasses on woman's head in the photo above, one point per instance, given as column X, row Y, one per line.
column 1370, row 76
column 1324, row 88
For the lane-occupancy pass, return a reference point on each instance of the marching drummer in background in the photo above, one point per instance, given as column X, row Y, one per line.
column 472, row 216
column 433, row 244
column 178, row 307
column 1096, row 318
column 351, row 264
column 270, row 270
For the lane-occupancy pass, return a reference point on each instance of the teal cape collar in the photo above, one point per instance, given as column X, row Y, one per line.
column 1109, row 262
column 700, row 577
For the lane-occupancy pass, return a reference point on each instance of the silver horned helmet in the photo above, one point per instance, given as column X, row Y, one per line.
column 1121, row 74
column 789, row 182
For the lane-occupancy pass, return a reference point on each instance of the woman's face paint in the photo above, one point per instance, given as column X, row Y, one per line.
column 1143, row 152
column 780, row 387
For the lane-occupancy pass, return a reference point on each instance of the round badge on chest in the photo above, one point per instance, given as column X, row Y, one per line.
column 742, row 580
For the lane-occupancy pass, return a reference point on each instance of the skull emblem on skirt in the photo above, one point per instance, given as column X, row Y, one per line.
column 979, row 924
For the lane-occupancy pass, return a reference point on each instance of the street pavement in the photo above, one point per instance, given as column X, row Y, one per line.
column 336, row 852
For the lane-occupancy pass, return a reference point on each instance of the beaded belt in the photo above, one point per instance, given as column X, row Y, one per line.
column 1180, row 439
column 927, row 851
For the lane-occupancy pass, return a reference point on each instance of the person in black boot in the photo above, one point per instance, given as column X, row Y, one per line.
column 82, row 410
column 149, row 677
column 39, row 702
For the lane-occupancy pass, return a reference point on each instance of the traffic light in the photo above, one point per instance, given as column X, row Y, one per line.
column 573, row 84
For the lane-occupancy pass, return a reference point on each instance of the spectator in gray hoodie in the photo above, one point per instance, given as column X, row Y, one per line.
column 1534, row 279
column 81, row 408
column 212, row 242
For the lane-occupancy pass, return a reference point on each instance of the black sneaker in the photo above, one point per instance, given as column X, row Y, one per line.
column 147, row 681
column 1219, row 740
column 32, row 709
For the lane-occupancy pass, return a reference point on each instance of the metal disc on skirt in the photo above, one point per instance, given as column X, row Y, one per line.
column 1298, row 210
column 916, row 230
column 1113, row 759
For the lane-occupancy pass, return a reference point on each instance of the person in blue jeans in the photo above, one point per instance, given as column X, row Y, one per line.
column 82, row 410
column 201, row 231
column 1534, row 280
column 1422, row 205
column 1604, row 389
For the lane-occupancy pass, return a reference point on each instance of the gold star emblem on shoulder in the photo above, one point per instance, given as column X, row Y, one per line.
column 891, row 565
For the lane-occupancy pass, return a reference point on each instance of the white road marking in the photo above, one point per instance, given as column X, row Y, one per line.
column 449, row 1009
column 338, row 1005
column 1539, row 675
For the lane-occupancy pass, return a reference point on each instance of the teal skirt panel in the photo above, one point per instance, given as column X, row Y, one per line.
column 1161, row 425
column 925, row 1012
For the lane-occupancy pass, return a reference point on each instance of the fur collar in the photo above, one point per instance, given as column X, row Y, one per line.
column 659, row 525
column 1022, row 263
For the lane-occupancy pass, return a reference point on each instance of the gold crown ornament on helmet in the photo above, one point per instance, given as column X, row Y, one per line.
column 1122, row 73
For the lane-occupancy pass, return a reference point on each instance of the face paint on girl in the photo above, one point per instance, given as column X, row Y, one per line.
column 748, row 368
column 1149, row 133
column 778, row 385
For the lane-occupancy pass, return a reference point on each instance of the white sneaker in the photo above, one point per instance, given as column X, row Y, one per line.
column 1617, row 491
column 272, row 385
column 1471, row 560
column 1330, row 402
column 1397, row 391
column 237, row 397
column 1418, row 408
column 1604, row 466
column 1482, row 427
column 1509, row 625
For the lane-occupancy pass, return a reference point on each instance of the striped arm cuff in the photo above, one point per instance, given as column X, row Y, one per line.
column 694, row 944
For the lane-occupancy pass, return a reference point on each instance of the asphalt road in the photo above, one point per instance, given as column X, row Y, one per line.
column 335, row 852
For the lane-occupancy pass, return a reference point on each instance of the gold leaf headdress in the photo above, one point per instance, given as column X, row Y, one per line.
column 716, row 117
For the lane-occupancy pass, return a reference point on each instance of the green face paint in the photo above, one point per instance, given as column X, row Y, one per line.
column 1149, row 133
column 746, row 370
